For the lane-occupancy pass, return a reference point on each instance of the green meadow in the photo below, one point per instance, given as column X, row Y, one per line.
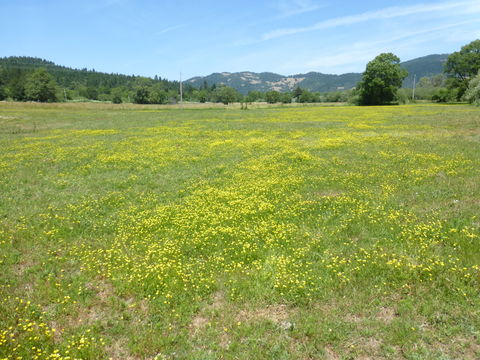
column 307, row 232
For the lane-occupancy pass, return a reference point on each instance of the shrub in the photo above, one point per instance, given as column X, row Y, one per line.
column 443, row 95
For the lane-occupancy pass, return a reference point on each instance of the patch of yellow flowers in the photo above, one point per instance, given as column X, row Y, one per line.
column 293, row 213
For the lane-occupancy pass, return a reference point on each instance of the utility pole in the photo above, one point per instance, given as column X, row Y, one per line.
column 181, row 91
column 413, row 90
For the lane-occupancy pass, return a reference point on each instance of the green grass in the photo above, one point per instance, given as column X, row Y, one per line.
column 273, row 233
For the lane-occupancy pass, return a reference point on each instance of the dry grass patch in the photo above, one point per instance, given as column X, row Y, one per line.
column 118, row 351
column 386, row 314
column 330, row 354
column 354, row 318
column 273, row 313
column 198, row 323
column 328, row 193
column 202, row 318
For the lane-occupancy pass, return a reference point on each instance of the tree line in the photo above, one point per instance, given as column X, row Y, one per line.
column 32, row 79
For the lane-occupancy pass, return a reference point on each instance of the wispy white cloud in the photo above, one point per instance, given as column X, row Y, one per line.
column 170, row 28
column 340, row 56
column 365, row 49
column 289, row 8
column 382, row 14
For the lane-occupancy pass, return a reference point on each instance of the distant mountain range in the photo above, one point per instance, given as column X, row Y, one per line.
column 314, row 81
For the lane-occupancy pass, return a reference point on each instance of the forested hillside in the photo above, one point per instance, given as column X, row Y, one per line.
column 425, row 66
column 78, row 83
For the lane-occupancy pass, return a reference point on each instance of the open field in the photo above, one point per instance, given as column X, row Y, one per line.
column 92, row 105
column 274, row 233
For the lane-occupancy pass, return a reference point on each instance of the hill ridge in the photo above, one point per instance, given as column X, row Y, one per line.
column 428, row 65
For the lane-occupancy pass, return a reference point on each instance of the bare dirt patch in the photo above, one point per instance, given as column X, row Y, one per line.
column 201, row 319
column 197, row 324
column 461, row 348
column 117, row 351
column 386, row 315
column 330, row 354
column 354, row 318
column 21, row 268
column 98, row 310
column 370, row 349
column 218, row 300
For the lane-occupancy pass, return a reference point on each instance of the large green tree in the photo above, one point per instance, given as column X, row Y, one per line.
column 272, row 96
column 472, row 95
column 462, row 65
column 381, row 80
column 202, row 95
column 254, row 96
column 308, row 97
column 40, row 86
column 117, row 95
column 226, row 94
column 286, row 98
column 142, row 95
column 157, row 96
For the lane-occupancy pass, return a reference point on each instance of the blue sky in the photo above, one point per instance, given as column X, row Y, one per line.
column 147, row 37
